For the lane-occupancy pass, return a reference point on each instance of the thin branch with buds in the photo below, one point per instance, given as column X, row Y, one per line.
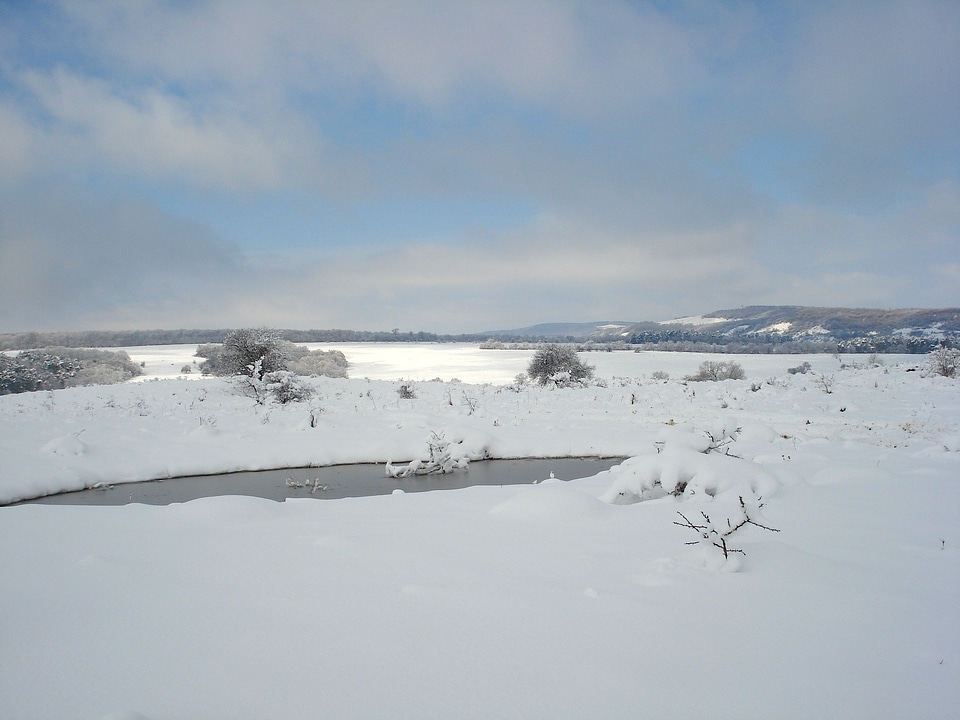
column 710, row 534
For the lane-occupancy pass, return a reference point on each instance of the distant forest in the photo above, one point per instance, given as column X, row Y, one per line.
column 670, row 338
column 135, row 338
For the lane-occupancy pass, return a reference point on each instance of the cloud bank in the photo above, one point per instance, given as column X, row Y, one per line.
column 456, row 167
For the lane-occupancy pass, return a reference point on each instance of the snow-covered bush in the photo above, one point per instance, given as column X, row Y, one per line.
column 689, row 465
column 801, row 369
column 34, row 370
column 440, row 459
column 943, row 361
column 59, row 367
column 520, row 381
column 280, row 385
column 716, row 370
column 558, row 365
column 325, row 363
column 242, row 349
column 286, row 387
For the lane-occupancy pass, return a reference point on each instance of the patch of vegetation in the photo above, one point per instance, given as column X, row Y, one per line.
column 263, row 351
column 944, row 361
column 55, row 368
column 716, row 370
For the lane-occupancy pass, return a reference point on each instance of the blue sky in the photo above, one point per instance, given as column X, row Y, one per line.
column 466, row 166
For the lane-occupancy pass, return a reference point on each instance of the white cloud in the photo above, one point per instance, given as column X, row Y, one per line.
column 157, row 135
column 17, row 145
column 873, row 90
column 622, row 126
column 67, row 258
column 561, row 52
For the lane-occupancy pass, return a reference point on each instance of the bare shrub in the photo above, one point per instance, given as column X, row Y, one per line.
column 943, row 361
column 716, row 370
column 825, row 383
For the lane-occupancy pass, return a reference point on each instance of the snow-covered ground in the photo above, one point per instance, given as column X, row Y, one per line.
column 542, row 601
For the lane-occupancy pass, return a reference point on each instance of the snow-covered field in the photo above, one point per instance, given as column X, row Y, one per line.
column 542, row 601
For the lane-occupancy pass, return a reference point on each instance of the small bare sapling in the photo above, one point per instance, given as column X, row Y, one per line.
column 715, row 535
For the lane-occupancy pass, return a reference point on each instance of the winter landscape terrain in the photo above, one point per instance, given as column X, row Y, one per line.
column 549, row 600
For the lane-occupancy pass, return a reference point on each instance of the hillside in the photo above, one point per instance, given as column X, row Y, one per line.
column 754, row 328
column 769, row 328
column 840, row 323
column 791, row 328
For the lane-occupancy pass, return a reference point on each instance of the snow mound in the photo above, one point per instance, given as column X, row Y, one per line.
column 549, row 501
column 684, row 466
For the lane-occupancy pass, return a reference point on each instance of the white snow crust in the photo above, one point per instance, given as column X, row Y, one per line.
column 552, row 600
column 696, row 320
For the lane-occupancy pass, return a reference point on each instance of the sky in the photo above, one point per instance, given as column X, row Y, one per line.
column 467, row 166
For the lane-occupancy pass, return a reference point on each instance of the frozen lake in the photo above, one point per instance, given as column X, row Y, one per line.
column 468, row 363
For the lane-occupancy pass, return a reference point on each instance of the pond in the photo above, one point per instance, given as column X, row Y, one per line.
column 331, row 483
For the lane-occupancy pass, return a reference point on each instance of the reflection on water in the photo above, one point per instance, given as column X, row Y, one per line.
column 339, row 481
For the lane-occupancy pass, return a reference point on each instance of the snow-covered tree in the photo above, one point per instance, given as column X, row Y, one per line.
column 264, row 351
column 558, row 365
column 245, row 352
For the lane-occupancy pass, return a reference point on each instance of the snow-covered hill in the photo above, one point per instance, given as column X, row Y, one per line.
column 798, row 323
column 856, row 330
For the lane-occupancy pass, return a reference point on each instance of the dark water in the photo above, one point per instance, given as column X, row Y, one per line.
column 340, row 481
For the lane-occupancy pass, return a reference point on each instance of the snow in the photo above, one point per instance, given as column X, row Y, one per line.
column 934, row 331
column 545, row 600
column 780, row 328
column 696, row 320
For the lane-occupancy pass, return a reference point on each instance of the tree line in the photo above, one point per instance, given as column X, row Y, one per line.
column 677, row 340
